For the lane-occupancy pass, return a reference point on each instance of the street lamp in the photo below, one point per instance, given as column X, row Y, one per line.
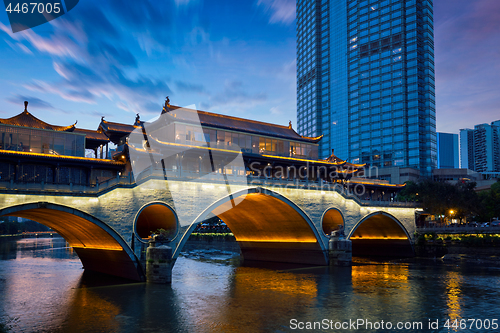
column 451, row 215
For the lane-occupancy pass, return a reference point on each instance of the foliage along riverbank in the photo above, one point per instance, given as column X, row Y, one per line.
column 212, row 236
column 435, row 245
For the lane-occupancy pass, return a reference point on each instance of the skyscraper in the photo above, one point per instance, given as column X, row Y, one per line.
column 466, row 138
column 448, row 156
column 365, row 80
column 480, row 147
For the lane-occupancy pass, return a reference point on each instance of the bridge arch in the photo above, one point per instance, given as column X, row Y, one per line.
column 153, row 216
column 331, row 220
column 267, row 226
column 99, row 247
column 380, row 234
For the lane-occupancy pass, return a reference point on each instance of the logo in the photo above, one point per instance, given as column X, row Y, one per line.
column 25, row 15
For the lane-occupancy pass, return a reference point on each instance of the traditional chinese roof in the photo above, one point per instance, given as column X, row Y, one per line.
column 93, row 139
column 26, row 119
column 115, row 131
column 246, row 125
column 336, row 160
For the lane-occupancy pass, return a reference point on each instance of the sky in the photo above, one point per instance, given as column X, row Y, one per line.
column 116, row 58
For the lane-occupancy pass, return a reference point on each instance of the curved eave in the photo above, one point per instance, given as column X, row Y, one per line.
column 352, row 165
column 315, row 139
column 107, row 126
column 379, row 185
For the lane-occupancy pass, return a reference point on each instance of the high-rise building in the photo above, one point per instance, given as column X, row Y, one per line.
column 466, row 138
column 480, row 147
column 365, row 80
column 447, row 144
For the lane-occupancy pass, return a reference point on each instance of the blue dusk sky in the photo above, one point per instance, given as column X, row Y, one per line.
column 115, row 58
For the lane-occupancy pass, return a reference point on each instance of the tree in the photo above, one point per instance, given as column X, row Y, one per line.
column 490, row 203
column 443, row 199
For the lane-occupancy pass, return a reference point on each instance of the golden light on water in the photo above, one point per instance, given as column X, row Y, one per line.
column 453, row 295
column 380, row 238
column 275, row 240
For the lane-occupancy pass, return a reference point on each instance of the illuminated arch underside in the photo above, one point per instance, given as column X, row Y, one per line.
column 97, row 249
column 269, row 229
column 331, row 221
column 153, row 217
column 381, row 235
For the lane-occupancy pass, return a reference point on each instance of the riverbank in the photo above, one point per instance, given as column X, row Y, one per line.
column 32, row 234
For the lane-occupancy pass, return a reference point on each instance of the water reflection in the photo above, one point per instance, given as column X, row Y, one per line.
column 43, row 286
column 453, row 281
column 255, row 294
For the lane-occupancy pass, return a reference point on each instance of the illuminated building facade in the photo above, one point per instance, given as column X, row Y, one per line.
column 31, row 152
column 365, row 80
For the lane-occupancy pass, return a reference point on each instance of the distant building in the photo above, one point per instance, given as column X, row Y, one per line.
column 396, row 175
column 448, row 152
column 453, row 175
column 480, row 147
column 466, row 139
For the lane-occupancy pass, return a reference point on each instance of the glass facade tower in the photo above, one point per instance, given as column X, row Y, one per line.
column 365, row 80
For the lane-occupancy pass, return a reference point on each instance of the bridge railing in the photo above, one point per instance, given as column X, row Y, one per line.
column 459, row 230
column 67, row 188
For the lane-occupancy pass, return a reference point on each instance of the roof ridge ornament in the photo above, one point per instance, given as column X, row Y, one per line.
column 25, row 106
column 290, row 124
column 166, row 107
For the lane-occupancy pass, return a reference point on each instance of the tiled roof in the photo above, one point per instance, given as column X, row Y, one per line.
column 334, row 159
column 92, row 135
column 26, row 119
column 247, row 125
column 116, row 127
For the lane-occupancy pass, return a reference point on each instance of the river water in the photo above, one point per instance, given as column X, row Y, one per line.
column 44, row 289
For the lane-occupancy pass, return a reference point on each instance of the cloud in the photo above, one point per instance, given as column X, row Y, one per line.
column 19, row 46
column 185, row 2
column 282, row 11
column 234, row 98
column 276, row 111
column 189, row 87
column 467, row 46
column 81, row 83
column 34, row 102
column 93, row 49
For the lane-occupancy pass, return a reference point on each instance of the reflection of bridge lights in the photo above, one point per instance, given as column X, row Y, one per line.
column 453, row 295
column 276, row 240
column 107, row 248
column 380, row 238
